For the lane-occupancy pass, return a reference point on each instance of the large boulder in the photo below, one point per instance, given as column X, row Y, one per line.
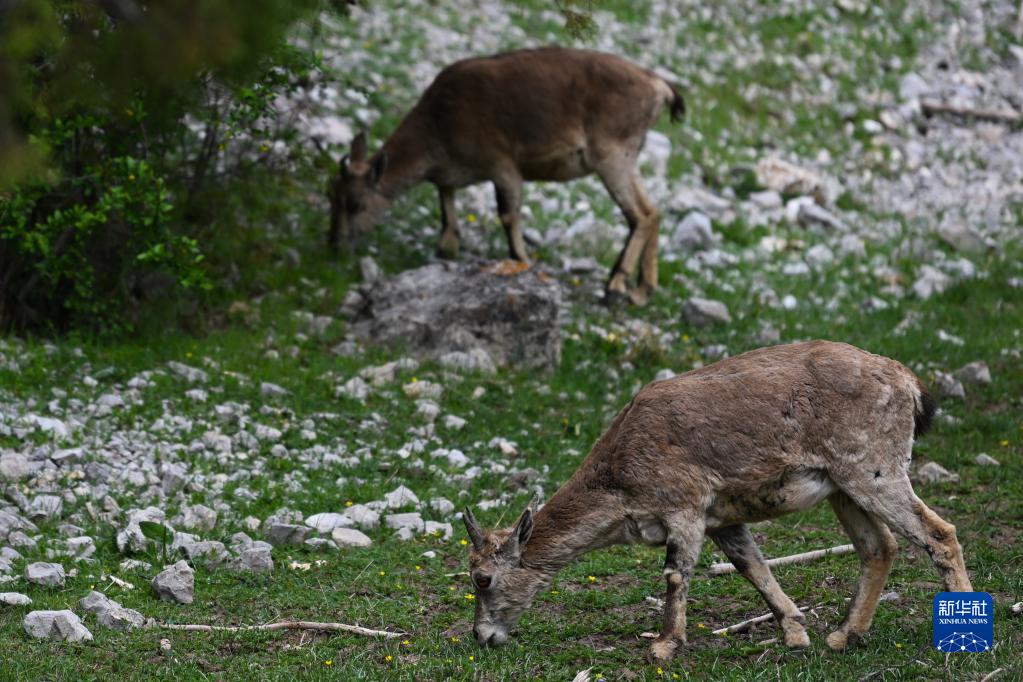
column 509, row 311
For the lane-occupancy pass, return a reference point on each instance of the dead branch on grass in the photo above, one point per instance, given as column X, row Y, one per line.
column 725, row 568
column 284, row 625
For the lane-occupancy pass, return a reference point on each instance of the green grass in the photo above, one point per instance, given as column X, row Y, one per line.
column 554, row 419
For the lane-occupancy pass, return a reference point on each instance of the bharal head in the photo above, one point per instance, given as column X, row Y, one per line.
column 356, row 203
column 504, row 586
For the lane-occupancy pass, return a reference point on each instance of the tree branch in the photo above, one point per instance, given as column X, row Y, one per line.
column 285, row 625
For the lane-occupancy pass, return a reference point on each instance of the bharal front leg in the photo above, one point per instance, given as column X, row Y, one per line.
column 685, row 537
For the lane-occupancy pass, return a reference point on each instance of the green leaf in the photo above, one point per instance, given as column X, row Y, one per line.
column 154, row 531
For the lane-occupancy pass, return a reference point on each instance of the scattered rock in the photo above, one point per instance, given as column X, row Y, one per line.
column 974, row 373
column 95, row 602
column 130, row 538
column 810, row 214
column 437, row 529
column 190, row 374
column 472, row 360
column 197, row 517
column 355, row 388
column 400, row 497
column 208, row 553
column 256, row 558
column 931, row 281
column 440, row 308
column 664, row 374
column 46, row 574
column 408, row 520
column 328, row 521
column 175, row 583
column 453, row 423
column 350, row 537
column 932, row 472
column 442, row 505
column 15, row 466
column 82, row 547
column 787, row 178
column 964, row 238
column 268, row 390
column 281, row 534
column 948, row 386
column 14, row 599
column 695, row 232
column 370, row 270
column 62, row 625
column 701, row 312
column 363, row 517
column 423, row 389
column 121, row 619
column 767, row 200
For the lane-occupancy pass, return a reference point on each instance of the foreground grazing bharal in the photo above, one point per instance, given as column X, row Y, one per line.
column 752, row 437
column 545, row 114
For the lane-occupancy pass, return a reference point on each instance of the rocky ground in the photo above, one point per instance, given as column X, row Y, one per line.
column 817, row 189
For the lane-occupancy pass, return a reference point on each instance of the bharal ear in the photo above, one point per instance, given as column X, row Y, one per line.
column 519, row 535
column 473, row 528
column 359, row 147
column 376, row 171
column 534, row 504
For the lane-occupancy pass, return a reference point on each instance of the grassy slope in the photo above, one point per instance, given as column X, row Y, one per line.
column 587, row 622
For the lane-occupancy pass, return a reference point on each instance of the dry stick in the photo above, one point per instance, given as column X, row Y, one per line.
column 725, row 568
column 285, row 625
column 739, row 627
column 931, row 106
column 993, row 674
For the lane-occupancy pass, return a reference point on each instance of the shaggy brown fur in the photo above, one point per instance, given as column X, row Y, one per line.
column 752, row 437
column 545, row 114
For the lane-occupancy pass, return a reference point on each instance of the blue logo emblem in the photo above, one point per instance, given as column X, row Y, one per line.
column 964, row 621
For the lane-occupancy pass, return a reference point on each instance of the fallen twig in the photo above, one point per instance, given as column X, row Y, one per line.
column 582, row 676
column 992, row 675
column 725, row 568
column 930, row 106
column 285, row 625
column 746, row 624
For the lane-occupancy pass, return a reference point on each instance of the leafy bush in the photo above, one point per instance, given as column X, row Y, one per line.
column 128, row 136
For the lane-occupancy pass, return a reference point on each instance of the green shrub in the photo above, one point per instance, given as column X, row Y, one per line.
column 131, row 136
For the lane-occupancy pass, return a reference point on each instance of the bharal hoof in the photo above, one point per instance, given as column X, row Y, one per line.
column 614, row 299
column 663, row 650
column 839, row 640
column 797, row 639
column 447, row 249
column 640, row 296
